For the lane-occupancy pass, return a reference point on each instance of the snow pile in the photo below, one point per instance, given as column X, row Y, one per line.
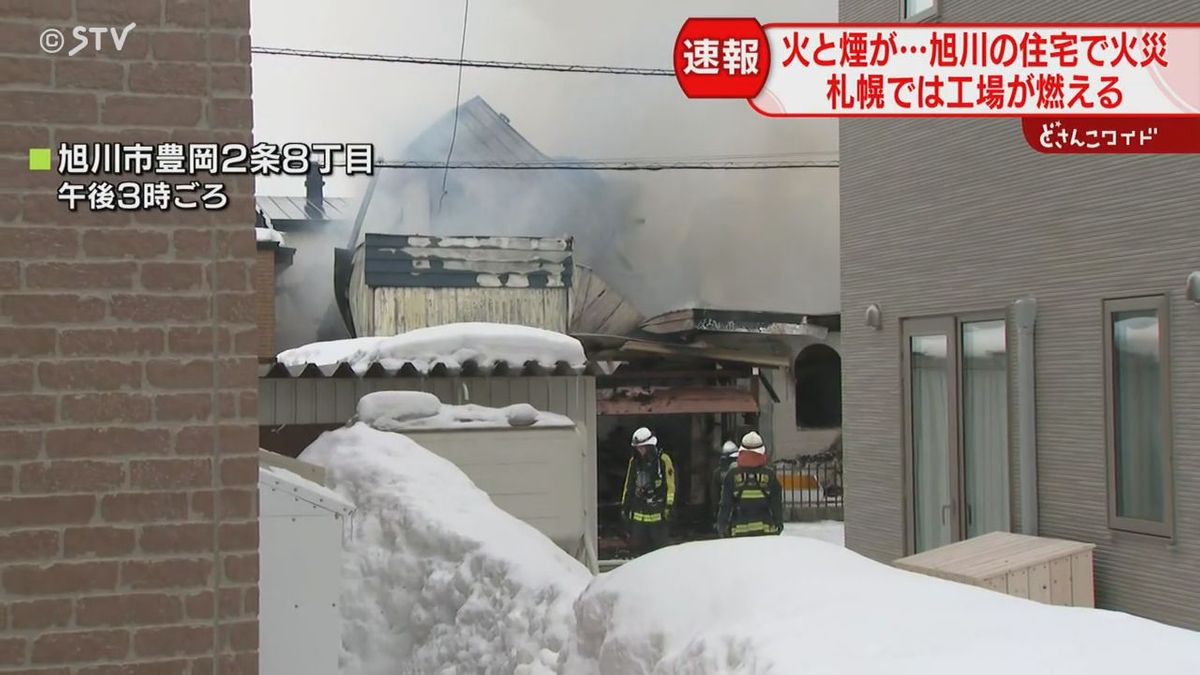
column 796, row 605
column 435, row 576
column 408, row 410
column 396, row 406
column 262, row 234
column 451, row 345
column 828, row 531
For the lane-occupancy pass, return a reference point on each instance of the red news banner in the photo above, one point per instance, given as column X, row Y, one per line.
column 1078, row 88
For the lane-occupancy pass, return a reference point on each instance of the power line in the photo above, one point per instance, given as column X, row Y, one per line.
column 462, row 51
column 431, row 61
column 557, row 165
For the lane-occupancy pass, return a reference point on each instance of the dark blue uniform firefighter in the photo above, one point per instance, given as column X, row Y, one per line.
column 649, row 493
column 729, row 453
column 751, row 498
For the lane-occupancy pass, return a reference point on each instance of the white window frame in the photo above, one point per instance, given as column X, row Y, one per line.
column 920, row 17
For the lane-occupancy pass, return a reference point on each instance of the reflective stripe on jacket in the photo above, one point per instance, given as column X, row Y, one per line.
column 751, row 503
column 649, row 487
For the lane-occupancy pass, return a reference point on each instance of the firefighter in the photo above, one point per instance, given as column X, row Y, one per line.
column 649, row 493
column 728, row 457
column 751, row 498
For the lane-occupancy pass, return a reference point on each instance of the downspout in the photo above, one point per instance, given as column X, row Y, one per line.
column 1025, row 317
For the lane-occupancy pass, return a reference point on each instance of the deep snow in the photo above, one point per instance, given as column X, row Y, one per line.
column 450, row 344
column 828, row 531
column 405, row 410
column 797, row 605
column 434, row 574
column 437, row 579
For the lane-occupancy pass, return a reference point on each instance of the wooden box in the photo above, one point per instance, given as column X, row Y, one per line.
column 1053, row 571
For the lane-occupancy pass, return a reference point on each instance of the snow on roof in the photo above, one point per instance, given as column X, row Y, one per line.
column 265, row 234
column 414, row 410
column 434, row 573
column 834, row 611
column 302, row 488
column 450, row 346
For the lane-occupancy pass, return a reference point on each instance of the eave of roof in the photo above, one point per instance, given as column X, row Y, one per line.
column 378, row 370
column 701, row 320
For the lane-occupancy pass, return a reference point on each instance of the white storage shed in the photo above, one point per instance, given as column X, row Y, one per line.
column 300, row 546
column 544, row 475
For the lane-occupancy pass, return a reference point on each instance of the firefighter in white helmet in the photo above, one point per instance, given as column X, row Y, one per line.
column 751, row 497
column 725, row 462
column 649, row 493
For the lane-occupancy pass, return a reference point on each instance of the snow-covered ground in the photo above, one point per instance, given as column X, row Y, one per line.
column 450, row 344
column 829, row 531
column 410, row 410
column 437, row 579
column 435, row 575
column 796, row 605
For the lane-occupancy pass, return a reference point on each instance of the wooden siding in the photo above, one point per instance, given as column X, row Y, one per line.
column 398, row 310
column 947, row 216
column 362, row 300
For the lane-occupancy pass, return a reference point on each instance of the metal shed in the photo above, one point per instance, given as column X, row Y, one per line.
column 543, row 475
column 299, row 615
column 298, row 404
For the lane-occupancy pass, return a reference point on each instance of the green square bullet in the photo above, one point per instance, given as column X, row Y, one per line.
column 39, row 159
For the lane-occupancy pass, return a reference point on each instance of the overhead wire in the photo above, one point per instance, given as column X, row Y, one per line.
column 560, row 165
column 462, row 51
column 702, row 163
column 463, row 63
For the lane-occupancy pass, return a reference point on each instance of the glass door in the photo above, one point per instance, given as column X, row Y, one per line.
column 984, row 378
column 930, row 356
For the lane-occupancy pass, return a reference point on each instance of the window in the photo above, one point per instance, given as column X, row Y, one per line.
column 818, row 373
column 1137, row 407
column 919, row 10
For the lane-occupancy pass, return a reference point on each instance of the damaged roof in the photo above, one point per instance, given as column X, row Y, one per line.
column 740, row 321
column 421, row 261
column 283, row 213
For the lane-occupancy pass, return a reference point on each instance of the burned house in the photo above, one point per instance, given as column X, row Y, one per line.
column 310, row 227
column 419, row 254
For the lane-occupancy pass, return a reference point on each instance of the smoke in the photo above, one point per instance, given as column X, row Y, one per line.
column 754, row 240
column 593, row 212
column 305, row 306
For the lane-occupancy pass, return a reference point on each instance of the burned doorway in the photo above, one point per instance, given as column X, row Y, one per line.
column 692, row 412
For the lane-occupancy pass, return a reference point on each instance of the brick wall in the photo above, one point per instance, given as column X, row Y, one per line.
column 128, row 511
column 264, row 289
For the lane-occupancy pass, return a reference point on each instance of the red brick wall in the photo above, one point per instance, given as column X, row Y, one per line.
column 128, row 503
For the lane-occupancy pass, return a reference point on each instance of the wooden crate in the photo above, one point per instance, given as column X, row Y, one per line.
column 1053, row 571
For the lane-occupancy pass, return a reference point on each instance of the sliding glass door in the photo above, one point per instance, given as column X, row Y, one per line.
column 984, row 368
column 956, row 429
column 929, row 355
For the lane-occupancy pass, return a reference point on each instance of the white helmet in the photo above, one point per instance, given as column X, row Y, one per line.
column 730, row 448
column 642, row 437
column 752, row 442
